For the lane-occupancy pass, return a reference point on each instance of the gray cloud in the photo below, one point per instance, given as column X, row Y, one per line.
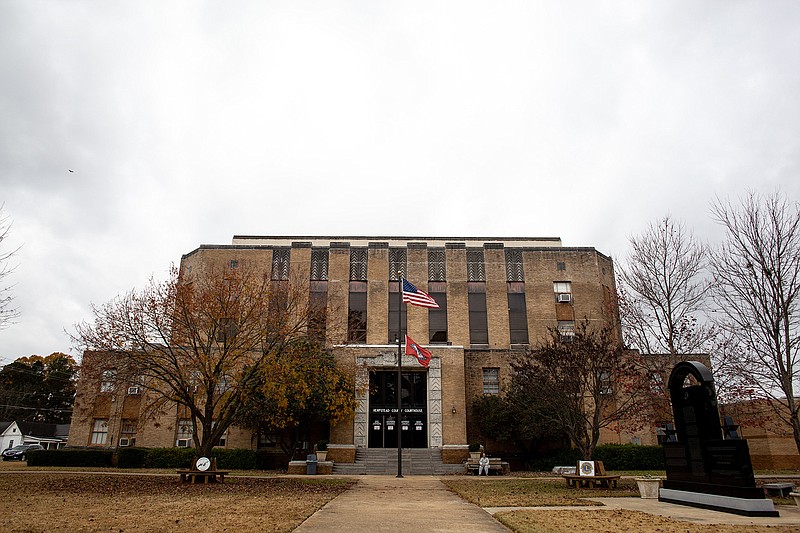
column 188, row 122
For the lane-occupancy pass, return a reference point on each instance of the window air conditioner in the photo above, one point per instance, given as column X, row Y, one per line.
column 182, row 443
column 133, row 391
column 124, row 442
column 564, row 297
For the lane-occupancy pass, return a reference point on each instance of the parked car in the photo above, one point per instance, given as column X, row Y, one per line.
column 18, row 452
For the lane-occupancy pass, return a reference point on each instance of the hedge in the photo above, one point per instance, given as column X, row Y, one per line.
column 614, row 457
column 70, row 457
column 630, row 457
column 227, row 459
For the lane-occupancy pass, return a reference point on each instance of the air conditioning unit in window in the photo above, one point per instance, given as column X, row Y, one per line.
column 182, row 443
column 124, row 442
column 133, row 391
column 564, row 298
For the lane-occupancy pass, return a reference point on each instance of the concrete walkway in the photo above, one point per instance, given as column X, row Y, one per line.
column 412, row 503
column 789, row 515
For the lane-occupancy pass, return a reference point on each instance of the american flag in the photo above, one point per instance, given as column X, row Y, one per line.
column 414, row 296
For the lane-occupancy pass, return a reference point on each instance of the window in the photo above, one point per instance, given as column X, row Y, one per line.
column 185, row 429
column 604, row 382
column 478, row 326
column 491, row 381
column 656, row 382
column 357, row 313
column 437, row 268
column 127, row 432
column 566, row 330
column 227, row 330
column 99, row 431
column 107, row 379
column 267, row 439
column 394, row 306
column 563, row 291
column 319, row 265
column 514, row 269
column 358, row 264
column 280, row 264
column 476, row 270
column 397, row 263
column 517, row 313
column 437, row 318
column 318, row 311
column 562, row 286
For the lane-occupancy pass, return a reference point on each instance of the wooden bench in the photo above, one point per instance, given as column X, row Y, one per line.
column 209, row 476
column 601, row 479
column 496, row 465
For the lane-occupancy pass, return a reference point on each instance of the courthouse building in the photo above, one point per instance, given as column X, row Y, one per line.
column 495, row 295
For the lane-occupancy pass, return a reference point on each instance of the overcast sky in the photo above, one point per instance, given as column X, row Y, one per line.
column 185, row 123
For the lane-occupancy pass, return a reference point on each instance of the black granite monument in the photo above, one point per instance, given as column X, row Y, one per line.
column 703, row 468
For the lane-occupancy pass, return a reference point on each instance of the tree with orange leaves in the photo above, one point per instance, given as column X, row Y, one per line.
column 199, row 340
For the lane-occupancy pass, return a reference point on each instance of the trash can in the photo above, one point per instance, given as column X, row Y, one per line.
column 311, row 464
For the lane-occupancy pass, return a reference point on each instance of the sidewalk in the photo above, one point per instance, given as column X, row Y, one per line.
column 412, row 503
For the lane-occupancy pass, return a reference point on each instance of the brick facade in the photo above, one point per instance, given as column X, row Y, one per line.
column 457, row 375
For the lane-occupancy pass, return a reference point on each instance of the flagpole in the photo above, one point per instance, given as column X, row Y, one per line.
column 399, row 379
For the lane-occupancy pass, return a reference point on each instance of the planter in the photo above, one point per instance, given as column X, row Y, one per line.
column 321, row 455
column 474, row 457
column 648, row 487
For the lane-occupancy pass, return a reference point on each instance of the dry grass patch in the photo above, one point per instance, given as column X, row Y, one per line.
column 531, row 492
column 85, row 502
column 613, row 521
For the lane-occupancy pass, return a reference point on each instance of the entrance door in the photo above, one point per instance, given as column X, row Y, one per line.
column 384, row 424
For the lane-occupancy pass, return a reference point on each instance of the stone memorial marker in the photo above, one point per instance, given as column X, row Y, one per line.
column 704, row 469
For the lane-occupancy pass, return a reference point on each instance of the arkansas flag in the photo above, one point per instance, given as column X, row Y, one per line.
column 422, row 355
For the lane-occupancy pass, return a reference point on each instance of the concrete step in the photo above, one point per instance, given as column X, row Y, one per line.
column 383, row 461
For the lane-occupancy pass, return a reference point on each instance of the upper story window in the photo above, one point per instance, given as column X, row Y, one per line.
column 397, row 263
column 358, row 264
column 517, row 313
column 107, row 380
column 437, row 270
column 437, row 318
column 280, row 263
column 563, row 291
column 319, row 265
column 476, row 270
column 514, row 268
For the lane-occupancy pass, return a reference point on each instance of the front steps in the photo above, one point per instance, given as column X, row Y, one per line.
column 383, row 462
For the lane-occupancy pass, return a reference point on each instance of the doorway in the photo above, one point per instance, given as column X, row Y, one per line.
column 384, row 424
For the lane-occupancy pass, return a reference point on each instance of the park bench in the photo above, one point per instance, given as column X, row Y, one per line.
column 209, row 476
column 778, row 489
column 601, row 478
column 496, row 465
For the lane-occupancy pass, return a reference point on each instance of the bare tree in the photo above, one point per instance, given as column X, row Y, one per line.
column 7, row 312
column 663, row 290
column 198, row 341
column 580, row 384
column 757, row 272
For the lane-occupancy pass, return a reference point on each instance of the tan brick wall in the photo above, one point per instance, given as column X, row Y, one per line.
column 457, row 318
column 454, row 425
column 496, row 298
column 338, row 291
column 378, row 295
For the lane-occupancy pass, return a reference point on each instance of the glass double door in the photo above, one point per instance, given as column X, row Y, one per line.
column 384, row 424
